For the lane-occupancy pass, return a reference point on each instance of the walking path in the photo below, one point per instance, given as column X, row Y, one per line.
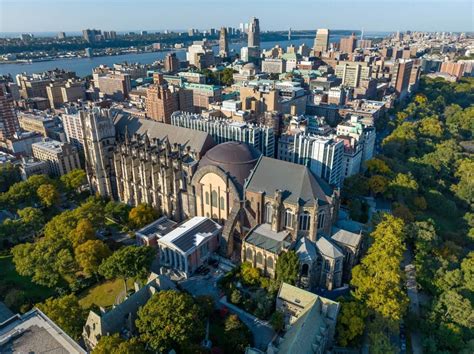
column 262, row 331
column 412, row 292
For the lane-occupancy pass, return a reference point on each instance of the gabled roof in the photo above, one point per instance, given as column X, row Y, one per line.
column 113, row 320
column 306, row 250
column 264, row 237
column 297, row 182
column 328, row 249
column 346, row 237
column 196, row 140
column 191, row 233
column 309, row 330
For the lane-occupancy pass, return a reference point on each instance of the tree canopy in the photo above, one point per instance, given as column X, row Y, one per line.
column 66, row 313
column 128, row 262
column 170, row 320
column 287, row 267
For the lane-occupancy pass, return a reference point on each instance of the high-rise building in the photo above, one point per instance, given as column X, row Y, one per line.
column 322, row 155
column 61, row 35
column 352, row 73
column 113, row 85
column 162, row 100
column 223, row 43
column 254, row 33
column 401, row 76
column 171, row 63
column 61, row 157
column 9, row 124
column 321, row 42
column 200, row 54
column 91, row 35
column 60, row 92
column 348, row 44
column 261, row 138
column 72, row 123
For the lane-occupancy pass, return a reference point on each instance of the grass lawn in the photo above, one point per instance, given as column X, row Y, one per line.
column 103, row 294
column 8, row 275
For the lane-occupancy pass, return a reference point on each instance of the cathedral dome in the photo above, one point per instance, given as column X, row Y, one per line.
column 250, row 66
column 235, row 158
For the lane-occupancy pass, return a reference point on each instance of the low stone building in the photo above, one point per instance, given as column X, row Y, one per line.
column 121, row 318
column 310, row 322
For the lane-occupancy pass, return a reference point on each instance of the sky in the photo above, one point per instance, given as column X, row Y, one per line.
column 127, row 15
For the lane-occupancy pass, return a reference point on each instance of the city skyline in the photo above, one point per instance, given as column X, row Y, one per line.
column 339, row 14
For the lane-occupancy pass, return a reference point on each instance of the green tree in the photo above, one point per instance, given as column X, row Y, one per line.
column 287, row 267
column 250, row 275
column 9, row 175
column 227, row 76
column 277, row 321
column 378, row 279
column 465, row 188
column 452, row 306
column 90, row 254
column 236, row 296
column 32, row 218
column 351, row 322
column 118, row 211
column 128, row 262
column 83, row 232
column 142, row 215
column 377, row 166
column 237, row 335
column 355, row 186
column 48, row 195
column 403, row 187
column 378, row 184
column 40, row 261
column 117, row 345
column 170, row 320
column 74, row 179
column 66, row 313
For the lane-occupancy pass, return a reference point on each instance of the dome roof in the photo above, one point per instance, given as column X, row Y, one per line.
column 250, row 66
column 235, row 158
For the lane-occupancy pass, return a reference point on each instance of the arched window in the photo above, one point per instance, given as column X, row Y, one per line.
column 270, row 262
column 304, row 221
column 249, row 255
column 321, row 217
column 222, row 203
column 288, row 218
column 214, row 199
column 268, row 213
column 207, row 198
column 305, row 270
column 259, row 258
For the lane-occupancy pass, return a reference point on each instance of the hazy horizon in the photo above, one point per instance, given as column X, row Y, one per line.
column 42, row 16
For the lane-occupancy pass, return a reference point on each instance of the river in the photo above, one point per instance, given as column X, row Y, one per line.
column 84, row 66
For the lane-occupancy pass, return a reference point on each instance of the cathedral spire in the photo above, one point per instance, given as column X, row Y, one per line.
column 126, row 135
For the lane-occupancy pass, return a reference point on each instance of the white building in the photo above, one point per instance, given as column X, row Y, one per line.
column 72, row 124
column 261, row 138
column 323, row 155
column 359, row 144
column 189, row 245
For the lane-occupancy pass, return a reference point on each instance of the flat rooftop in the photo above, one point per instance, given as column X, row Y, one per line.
column 34, row 332
column 191, row 233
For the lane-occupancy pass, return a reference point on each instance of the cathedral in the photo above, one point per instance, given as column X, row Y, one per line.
column 266, row 206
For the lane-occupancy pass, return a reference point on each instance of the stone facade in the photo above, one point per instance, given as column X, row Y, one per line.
column 155, row 173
